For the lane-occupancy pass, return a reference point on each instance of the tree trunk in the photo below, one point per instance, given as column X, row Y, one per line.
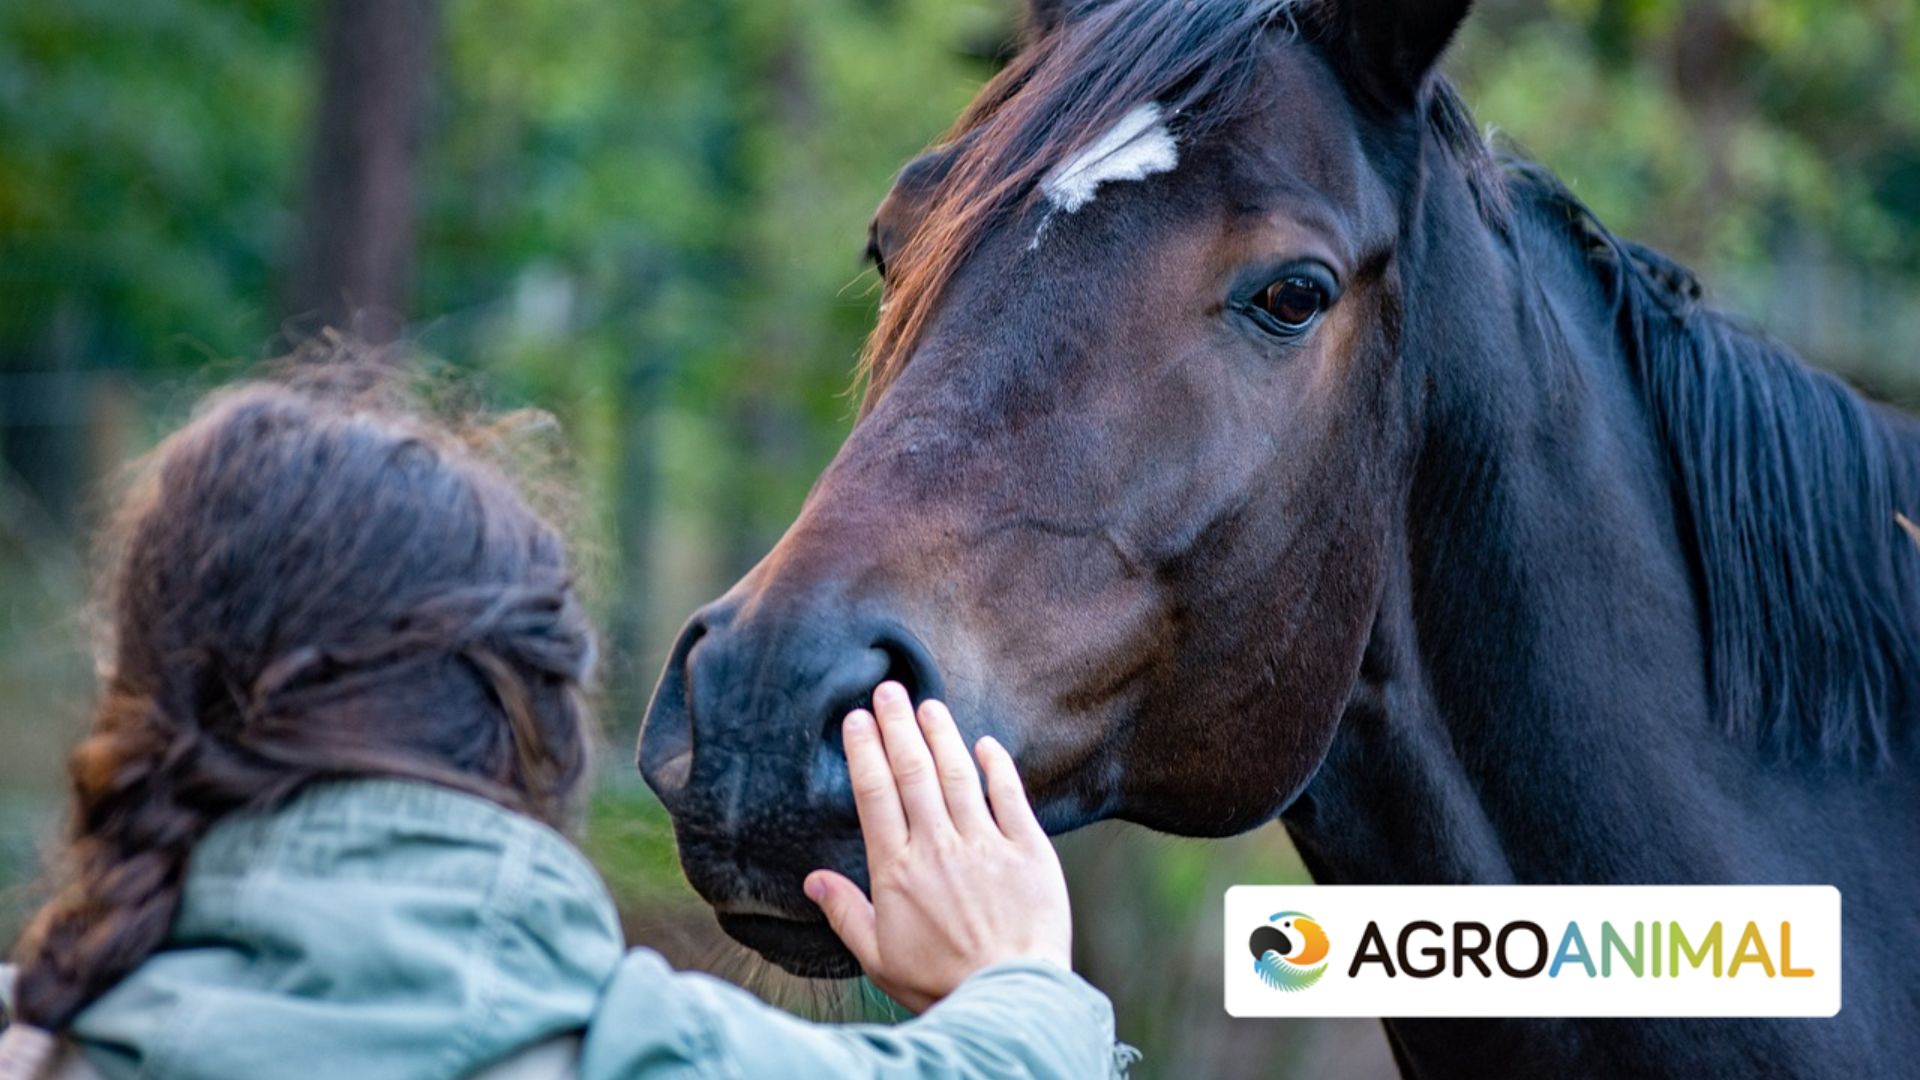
column 354, row 262
column 1705, row 73
column 632, row 661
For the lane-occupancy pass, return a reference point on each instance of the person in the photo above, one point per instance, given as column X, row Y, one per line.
column 317, row 822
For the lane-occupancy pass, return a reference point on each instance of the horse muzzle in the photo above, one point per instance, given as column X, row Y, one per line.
column 742, row 745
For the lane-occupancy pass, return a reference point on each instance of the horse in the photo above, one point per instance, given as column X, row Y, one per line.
column 1244, row 439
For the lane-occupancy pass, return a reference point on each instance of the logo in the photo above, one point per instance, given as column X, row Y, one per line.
column 1289, row 951
column 1532, row 950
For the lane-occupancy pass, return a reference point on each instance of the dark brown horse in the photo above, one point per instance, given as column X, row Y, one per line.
column 1244, row 440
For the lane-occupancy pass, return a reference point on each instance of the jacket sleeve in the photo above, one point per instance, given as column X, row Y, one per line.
column 1026, row 1019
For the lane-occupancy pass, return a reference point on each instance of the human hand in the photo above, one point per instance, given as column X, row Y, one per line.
column 955, row 888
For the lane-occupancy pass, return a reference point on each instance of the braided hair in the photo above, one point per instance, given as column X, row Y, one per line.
column 307, row 586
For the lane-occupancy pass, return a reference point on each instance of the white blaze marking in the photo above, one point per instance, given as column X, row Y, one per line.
column 1138, row 147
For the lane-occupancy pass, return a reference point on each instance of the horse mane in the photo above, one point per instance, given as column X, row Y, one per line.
column 1786, row 483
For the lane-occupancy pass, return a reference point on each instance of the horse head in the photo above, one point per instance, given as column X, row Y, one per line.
column 1135, row 423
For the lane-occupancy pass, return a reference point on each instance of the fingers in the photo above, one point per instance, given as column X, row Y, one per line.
column 912, row 762
column 882, row 821
column 959, row 780
column 1008, row 795
column 848, row 911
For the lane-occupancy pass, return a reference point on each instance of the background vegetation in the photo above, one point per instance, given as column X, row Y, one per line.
column 647, row 219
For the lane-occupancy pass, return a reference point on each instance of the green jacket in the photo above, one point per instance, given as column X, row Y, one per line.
column 378, row 928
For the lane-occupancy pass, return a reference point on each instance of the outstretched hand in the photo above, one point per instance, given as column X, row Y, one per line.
column 956, row 888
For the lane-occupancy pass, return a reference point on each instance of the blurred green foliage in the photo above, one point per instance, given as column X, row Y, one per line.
column 146, row 159
column 648, row 219
column 1708, row 128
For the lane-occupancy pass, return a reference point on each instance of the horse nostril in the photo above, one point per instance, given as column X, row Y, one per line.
column 910, row 665
column 746, row 718
column 893, row 654
column 667, row 732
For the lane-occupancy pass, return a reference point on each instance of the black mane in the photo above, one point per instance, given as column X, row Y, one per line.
column 1787, row 483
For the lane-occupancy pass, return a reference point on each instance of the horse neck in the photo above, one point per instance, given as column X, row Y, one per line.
column 1533, row 703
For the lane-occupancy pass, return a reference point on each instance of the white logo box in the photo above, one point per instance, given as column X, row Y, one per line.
column 1344, row 912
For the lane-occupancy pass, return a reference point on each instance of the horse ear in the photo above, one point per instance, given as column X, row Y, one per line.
column 1389, row 47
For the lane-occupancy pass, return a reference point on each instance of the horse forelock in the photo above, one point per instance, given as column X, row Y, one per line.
column 1193, row 64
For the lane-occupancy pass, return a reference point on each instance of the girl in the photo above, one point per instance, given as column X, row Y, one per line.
column 313, row 826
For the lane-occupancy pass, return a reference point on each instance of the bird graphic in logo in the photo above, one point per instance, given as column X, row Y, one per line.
column 1290, row 951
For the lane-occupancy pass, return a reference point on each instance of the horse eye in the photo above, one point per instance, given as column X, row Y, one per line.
column 1293, row 302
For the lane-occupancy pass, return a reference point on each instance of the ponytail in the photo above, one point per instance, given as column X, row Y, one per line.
column 135, row 822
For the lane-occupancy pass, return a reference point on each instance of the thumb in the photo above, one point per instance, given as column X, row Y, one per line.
column 848, row 911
